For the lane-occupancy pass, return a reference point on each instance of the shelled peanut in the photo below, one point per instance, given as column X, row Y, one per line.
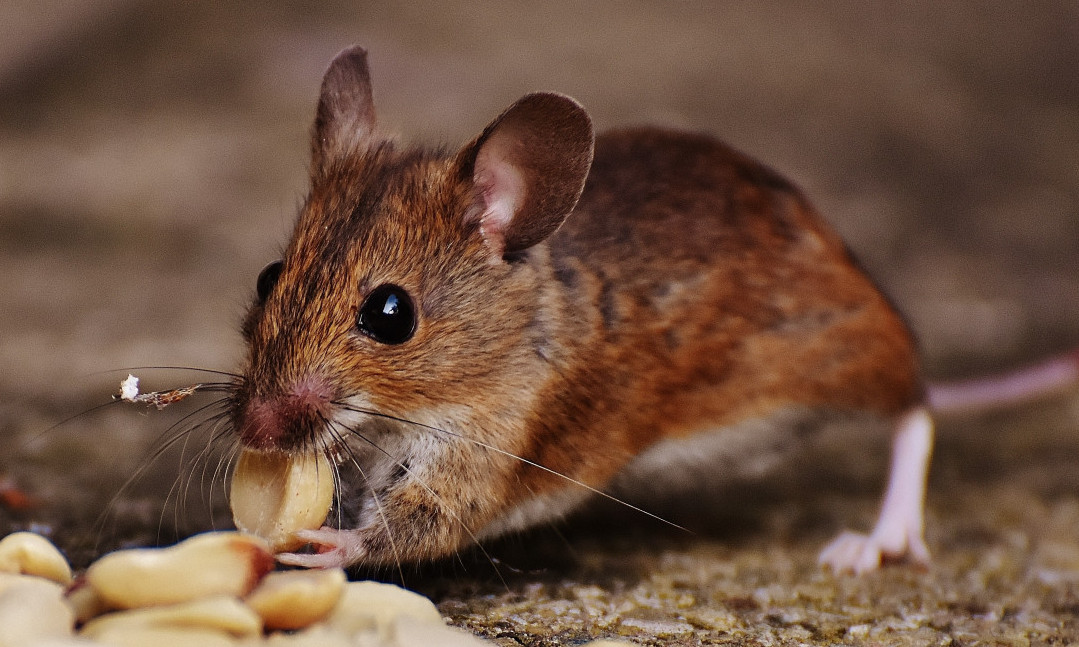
column 216, row 588
column 212, row 589
column 275, row 494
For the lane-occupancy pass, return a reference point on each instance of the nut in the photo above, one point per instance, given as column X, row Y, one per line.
column 221, row 613
column 409, row 632
column 274, row 494
column 163, row 637
column 212, row 563
column 211, row 590
column 375, row 607
column 317, row 636
column 297, row 599
column 32, row 610
column 84, row 600
column 32, row 554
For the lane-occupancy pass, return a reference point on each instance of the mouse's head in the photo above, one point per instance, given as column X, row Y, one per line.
column 405, row 289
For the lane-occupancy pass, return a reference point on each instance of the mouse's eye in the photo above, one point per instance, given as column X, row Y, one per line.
column 267, row 279
column 387, row 315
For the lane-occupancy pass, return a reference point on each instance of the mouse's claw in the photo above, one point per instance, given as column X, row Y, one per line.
column 333, row 549
column 853, row 552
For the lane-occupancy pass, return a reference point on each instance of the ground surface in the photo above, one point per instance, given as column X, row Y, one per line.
column 152, row 155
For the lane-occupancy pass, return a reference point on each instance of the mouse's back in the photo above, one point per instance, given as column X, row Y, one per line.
column 718, row 293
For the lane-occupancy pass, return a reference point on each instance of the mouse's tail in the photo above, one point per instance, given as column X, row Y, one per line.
column 1050, row 376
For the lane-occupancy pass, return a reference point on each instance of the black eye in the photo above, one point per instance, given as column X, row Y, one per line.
column 388, row 315
column 267, row 279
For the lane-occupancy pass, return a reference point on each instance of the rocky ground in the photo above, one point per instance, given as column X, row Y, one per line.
column 152, row 156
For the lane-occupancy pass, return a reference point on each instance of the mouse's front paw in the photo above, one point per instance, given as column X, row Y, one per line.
column 853, row 552
column 333, row 548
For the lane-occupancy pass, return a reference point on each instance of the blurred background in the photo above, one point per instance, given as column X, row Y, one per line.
column 153, row 153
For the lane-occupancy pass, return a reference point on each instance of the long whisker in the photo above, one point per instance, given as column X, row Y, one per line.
column 208, row 387
column 182, row 486
column 194, row 369
column 335, row 431
column 333, row 454
column 213, row 424
column 221, row 430
column 526, row 461
column 228, row 461
column 38, row 436
column 167, row 440
column 436, row 495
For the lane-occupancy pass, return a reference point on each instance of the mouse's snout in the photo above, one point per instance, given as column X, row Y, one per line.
column 288, row 420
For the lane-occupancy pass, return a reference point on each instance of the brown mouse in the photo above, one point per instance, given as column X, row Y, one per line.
column 491, row 334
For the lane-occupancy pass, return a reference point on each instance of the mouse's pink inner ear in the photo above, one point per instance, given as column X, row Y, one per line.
column 345, row 119
column 529, row 167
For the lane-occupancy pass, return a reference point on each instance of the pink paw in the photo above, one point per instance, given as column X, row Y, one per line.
column 853, row 552
column 333, row 549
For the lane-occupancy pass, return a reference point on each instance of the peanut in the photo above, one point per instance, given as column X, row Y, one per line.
column 212, row 563
column 275, row 494
column 297, row 599
column 31, row 554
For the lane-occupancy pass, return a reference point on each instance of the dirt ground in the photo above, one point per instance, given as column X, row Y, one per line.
column 152, row 156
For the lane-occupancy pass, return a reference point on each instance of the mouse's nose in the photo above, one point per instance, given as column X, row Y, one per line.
column 288, row 420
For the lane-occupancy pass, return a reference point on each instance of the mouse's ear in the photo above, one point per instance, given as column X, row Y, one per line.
column 345, row 118
column 528, row 168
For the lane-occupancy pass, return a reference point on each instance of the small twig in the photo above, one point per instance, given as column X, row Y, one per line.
column 129, row 392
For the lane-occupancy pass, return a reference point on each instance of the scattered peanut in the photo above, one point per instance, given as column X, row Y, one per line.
column 85, row 601
column 221, row 613
column 408, row 632
column 31, row 554
column 32, row 610
column 164, row 637
column 316, row 636
column 374, row 607
column 297, row 599
column 212, row 590
column 275, row 494
column 212, row 563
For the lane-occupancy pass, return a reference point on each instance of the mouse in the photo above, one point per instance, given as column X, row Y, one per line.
column 491, row 335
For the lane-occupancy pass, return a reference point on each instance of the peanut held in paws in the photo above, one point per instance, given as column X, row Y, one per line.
column 274, row 494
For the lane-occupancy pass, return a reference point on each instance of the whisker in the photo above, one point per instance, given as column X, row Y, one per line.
column 208, row 387
column 185, row 479
column 213, row 425
column 220, row 431
column 228, row 463
column 167, row 439
column 38, row 436
column 335, row 431
column 194, row 369
column 333, row 457
column 526, row 461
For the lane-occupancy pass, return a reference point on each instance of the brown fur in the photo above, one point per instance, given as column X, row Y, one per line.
column 704, row 290
column 691, row 288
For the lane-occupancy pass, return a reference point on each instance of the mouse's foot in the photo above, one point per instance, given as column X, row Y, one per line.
column 333, row 549
column 898, row 533
column 854, row 552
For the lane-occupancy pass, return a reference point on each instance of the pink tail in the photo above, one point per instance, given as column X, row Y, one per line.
column 1050, row 376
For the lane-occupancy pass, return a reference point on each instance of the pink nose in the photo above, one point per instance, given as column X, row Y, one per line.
column 287, row 420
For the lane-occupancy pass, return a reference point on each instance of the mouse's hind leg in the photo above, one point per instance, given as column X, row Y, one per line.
column 898, row 533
